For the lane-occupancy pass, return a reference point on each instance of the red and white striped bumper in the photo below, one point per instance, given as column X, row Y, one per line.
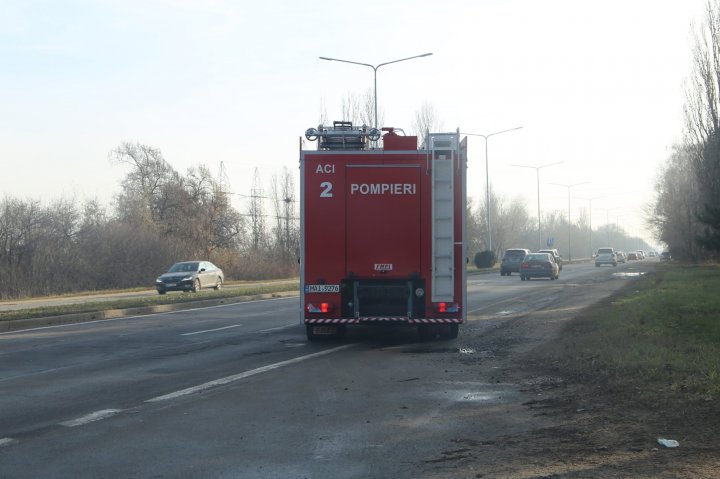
column 383, row 319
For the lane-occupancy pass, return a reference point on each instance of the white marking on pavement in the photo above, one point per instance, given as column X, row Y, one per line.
column 7, row 441
column 92, row 417
column 212, row 330
column 277, row 329
column 243, row 375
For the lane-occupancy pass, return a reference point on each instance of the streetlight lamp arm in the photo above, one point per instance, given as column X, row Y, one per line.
column 492, row 134
column 347, row 61
column 403, row 59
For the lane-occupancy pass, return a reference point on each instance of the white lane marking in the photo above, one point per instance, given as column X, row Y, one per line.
column 211, row 330
column 82, row 323
column 277, row 329
column 243, row 375
column 7, row 441
column 92, row 417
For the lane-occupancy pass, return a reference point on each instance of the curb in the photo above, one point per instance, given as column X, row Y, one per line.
column 18, row 324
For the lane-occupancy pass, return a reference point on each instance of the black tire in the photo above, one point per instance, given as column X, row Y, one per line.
column 450, row 331
column 426, row 332
column 196, row 286
column 218, row 284
column 161, row 291
column 340, row 331
column 310, row 334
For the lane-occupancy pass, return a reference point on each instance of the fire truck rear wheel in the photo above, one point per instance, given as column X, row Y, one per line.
column 427, row 332
column 341, row 331
column 450, row 331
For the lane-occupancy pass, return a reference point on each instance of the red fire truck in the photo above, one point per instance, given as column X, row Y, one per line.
column 382, row 231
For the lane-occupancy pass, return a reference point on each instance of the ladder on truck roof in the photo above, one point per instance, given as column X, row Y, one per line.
column 444, row 154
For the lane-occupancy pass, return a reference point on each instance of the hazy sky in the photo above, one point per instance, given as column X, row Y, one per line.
column 596, row 85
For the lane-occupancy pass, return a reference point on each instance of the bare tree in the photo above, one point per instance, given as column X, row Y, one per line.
column 147, row 186
column 359, row 109
column 426, row 120
column 256, row 212
column 512, row 226
column 674, row 216
column 286, row 225
column 702, row 113
column 211, row 222
column 474, row 225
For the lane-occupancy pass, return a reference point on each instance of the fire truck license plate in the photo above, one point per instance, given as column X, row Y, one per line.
column 325, row 330
column 322, row 288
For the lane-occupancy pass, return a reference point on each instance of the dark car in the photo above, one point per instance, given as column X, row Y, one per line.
column 556, row 256
column 539, row 265
column 190, row 276
column 632, row 256
column 511, row 260
column 665, row 256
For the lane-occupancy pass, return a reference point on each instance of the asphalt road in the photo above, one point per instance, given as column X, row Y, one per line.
column 237, row 391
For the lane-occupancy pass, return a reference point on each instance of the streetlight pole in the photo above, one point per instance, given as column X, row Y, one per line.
column 375, row 69
column 537, row 174
column 569, row 220
column 487, row 177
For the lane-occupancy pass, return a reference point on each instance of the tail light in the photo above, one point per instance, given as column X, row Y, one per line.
column 447, row 307
column 320, row 308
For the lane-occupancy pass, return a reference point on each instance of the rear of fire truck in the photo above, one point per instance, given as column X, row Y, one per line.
column 382, row 231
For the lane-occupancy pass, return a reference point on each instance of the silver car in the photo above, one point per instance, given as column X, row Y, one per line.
column 606, row 256
column 190, row 276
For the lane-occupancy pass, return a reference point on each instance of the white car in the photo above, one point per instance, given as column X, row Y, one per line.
column 606, row 256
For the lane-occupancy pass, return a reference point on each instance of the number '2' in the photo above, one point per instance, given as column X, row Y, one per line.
column 327, row 189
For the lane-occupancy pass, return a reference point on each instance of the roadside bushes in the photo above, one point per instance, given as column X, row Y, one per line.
column 485, row 259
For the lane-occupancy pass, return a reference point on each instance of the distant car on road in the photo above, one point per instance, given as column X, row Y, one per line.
column 539, row 265
column 620, row 256
column 511, row 260
column 190, row 276
column 556, row 256
column 605, row 256
column 632, row 256
column 665, row 256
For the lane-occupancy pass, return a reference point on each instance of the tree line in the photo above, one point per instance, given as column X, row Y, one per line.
column 159, row 217
column 686, row 215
